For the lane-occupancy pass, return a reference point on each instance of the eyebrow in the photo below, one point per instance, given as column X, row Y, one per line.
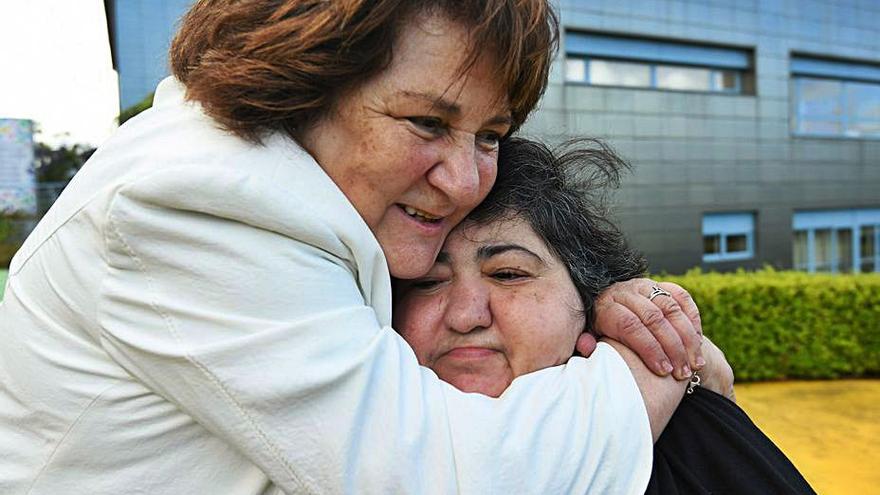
column 448, row 106
column 486, row 252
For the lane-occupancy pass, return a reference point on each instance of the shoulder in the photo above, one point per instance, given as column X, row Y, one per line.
column 174, row 157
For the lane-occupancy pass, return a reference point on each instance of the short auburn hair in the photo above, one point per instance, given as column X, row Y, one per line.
column 259, row 66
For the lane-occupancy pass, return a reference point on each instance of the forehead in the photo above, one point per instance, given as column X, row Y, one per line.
column 469, row 236
column 433, row 55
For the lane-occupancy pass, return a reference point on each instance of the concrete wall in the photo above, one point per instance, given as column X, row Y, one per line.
column 696, row 152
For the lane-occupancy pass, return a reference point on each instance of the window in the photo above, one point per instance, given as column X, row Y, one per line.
column 834, row 98
column 837, row 241
column 603, row 60
column 728, row 236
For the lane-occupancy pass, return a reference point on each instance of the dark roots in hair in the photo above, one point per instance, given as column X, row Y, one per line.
column 563, row 196
column 259, row 66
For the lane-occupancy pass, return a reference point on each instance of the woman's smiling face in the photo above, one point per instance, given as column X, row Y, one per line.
column 415, row 148
column 496, row 304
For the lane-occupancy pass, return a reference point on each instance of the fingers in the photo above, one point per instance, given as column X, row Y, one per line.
column 718, row 374
column 682, row 312
column 666, row 322
column 684, row 299
column 585, row 345
column 620, row 323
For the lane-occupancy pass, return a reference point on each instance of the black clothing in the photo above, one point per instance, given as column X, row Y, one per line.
column 710, row 446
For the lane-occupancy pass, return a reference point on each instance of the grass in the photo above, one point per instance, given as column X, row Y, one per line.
column 2, row 282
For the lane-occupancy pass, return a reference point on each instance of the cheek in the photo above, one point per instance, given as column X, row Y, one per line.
column 419, row 322
column 407, row 161
column 542, row 331
column 392, row 164
column 487, row 168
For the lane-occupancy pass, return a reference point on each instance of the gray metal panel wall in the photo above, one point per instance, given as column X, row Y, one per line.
column 695, row 152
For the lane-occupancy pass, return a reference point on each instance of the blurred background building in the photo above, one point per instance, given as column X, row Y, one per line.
column 140, row 33
column 753, row 125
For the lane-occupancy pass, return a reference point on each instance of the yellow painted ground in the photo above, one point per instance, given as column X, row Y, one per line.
column 829, row 429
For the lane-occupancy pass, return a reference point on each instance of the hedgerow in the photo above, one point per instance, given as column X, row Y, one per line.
column 775, row 325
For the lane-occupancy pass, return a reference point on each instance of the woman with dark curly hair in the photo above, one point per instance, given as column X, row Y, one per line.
column 207, row 307
column 515, row 284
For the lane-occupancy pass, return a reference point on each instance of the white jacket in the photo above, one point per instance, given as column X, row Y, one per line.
column 199, row 315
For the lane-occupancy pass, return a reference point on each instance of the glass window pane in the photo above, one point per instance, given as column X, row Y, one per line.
column 575, row 70
column 819, row 98
column 863, row 128
column 800, row 250
column 725, row 80
column 684, row 78
column 863, row 101
column 711, row 244
column 737, row 243
column 822, row 250
column 867, row 248
column 819, row 127
column 607, row 73
column 844, row 250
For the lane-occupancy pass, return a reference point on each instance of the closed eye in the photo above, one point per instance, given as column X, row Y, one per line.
column 508, row 275
column 489, row 140
column 431, row 126
column 425, row 284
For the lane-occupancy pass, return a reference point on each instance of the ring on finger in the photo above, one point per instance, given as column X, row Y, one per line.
column 657, row 291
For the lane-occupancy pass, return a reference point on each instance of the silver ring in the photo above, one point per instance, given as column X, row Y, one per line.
column 657, row 291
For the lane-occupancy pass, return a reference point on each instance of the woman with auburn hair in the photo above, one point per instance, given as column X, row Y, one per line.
column 207, row 307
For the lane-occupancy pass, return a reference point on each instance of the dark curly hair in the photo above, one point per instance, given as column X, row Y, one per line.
column 562, row 194
column 257, row 66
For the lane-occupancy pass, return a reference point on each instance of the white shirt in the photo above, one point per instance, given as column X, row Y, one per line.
column 200, row 315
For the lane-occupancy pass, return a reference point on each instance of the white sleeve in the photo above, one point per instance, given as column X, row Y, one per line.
column 266, row 341
column 605, row 437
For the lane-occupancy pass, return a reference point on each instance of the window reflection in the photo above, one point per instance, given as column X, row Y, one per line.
column 822, row 250
column 683, row 78
column 711, row 244
column 836, row 107
column 607, row 73
column 867, row 248
column 801, row 257
column 737, row 243
column 837, row 240
column 844, row 251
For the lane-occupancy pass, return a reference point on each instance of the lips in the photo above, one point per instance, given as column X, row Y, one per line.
column 471, row 352
column 421, row 215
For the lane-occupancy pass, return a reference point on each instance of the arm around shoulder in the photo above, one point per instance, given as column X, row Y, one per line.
column 661, row 395
column 256, row 326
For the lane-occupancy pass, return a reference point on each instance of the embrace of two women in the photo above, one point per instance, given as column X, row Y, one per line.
column 208, row 306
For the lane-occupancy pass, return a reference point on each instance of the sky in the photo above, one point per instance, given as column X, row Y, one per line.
column 55, row 69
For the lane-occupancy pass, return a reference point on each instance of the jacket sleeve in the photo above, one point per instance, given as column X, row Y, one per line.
column 265, row 339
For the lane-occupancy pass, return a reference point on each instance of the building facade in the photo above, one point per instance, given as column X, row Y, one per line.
column 753, row 126
column 140, row 34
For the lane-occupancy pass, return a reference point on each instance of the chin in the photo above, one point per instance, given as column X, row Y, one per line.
column 412, row 264
column 479, row 385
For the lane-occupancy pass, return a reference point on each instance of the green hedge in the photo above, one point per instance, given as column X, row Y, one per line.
column 2, row 283
column 774, row 325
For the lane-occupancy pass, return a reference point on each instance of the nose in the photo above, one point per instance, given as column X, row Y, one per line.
column 468, row 307
column 457, row 173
